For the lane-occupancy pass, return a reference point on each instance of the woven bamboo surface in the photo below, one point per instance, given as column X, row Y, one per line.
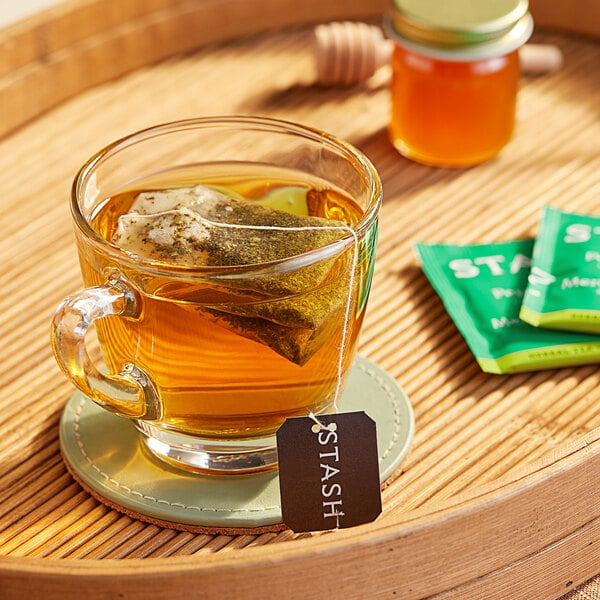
column 476, row 434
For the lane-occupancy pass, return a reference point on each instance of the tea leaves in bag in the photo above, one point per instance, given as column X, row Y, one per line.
column 197, row 226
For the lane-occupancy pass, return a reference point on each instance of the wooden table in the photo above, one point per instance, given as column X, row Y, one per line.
column 498, row 497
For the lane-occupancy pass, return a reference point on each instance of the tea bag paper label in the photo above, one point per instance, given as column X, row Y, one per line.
column 328, row 471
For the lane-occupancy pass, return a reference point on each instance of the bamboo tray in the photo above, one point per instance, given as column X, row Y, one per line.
column 498, row 497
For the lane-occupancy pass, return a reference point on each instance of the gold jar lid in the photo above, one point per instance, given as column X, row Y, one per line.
column 463, row 28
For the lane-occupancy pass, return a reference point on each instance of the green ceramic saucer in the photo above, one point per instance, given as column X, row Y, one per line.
column 104, row 454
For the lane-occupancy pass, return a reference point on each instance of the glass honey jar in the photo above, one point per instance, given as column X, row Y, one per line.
column 455, row 77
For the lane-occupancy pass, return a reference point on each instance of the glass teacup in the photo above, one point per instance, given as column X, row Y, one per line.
column 211, row 342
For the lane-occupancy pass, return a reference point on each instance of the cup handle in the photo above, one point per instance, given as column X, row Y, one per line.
column 131, row 393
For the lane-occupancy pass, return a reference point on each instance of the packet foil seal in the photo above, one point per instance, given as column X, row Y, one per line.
column 563, row 288
column 482, row 287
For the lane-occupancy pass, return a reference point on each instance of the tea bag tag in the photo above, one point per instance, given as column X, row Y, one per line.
column 328, row 471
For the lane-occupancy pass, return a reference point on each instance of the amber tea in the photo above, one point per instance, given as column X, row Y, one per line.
column 235, row 357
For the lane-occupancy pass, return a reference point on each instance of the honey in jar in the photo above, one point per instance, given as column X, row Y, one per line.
column 455, row 78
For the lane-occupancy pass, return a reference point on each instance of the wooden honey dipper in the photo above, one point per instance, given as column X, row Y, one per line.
column 350, row 52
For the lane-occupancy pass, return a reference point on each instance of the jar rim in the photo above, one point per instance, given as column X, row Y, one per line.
column 456, row 23
column 487, row 46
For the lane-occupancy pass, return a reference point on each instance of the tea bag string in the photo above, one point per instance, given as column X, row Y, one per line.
column 348, row 308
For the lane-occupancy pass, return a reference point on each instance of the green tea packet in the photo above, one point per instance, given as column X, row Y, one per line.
column 290, row 311
column 563, row 289
column 482, row 286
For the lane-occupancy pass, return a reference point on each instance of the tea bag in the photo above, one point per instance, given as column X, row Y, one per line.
column 296, row 344
column 199, row 226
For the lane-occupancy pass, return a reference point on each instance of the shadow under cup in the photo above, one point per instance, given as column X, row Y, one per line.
column 209, row 360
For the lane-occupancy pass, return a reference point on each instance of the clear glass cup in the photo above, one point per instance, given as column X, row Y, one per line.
column 200, row 357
